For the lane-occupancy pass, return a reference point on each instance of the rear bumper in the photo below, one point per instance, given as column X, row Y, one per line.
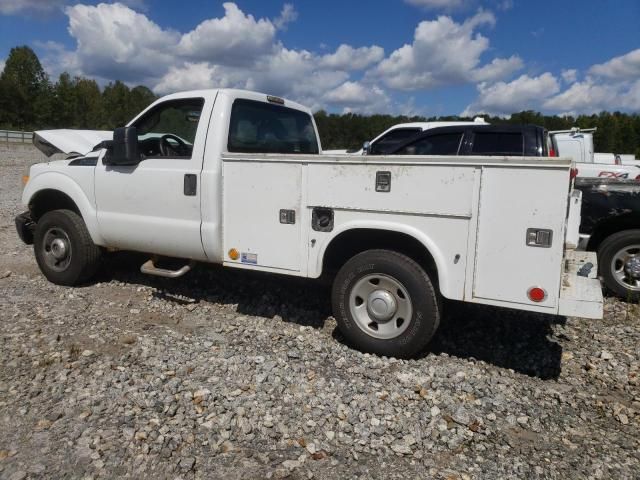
column 580, row 291
column 25, row 227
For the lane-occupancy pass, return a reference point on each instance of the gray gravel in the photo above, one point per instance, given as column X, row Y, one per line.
column 226, row 374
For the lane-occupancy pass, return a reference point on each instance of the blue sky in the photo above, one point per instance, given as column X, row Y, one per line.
column 428, row 57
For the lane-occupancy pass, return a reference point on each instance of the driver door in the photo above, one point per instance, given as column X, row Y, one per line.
column 154, row 206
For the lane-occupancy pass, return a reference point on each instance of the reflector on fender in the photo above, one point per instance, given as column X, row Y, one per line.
column 537, row 294
column 234, row 254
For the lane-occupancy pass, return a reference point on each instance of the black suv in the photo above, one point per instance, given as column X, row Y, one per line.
column 512, row 140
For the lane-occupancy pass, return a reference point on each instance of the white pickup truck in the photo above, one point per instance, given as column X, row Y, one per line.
column 578, row 144
column 397, row 134
column 237, row 178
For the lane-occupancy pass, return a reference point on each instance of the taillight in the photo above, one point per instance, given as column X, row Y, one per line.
column 573, row 173
column 638, row 177
column 552, row 153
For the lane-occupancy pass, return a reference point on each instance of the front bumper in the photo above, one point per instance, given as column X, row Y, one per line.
column 25, row 227
column 581, row 291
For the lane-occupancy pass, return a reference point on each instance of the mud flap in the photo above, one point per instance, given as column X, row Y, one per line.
column 580, row 290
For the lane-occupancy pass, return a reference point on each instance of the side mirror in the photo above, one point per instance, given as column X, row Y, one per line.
column 366, row 148
column 125, row 147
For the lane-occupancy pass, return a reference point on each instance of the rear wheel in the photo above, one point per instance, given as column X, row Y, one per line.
column 619, row 264
column 385, row 303
column 63, row 248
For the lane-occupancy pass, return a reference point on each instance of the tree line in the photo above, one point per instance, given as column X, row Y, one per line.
column 616, row 132
column 30, row 100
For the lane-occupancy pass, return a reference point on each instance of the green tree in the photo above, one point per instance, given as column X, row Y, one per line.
column 140, row 98
column 65, row 102
column 88, row 104
column 25, row 93
column 115, row 105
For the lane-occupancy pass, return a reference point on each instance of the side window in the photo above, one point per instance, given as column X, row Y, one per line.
column 497, row 143
column 169, row 129
column 259, row 127
column 387, row 143
column 442, row 144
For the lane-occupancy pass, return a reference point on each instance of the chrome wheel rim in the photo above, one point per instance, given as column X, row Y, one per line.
column 56, row 249
column 625, row 267
column 381, row 306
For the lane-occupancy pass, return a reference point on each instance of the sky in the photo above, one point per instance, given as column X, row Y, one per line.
column 413, row 57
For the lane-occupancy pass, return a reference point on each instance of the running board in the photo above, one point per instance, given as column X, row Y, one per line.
column 150, row 269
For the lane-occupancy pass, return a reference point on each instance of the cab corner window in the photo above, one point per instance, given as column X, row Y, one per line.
column 259, row 127
column 169, row 129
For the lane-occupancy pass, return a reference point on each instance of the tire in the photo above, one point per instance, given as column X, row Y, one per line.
column 620, row 276
column 371, row 295
column 63, row 248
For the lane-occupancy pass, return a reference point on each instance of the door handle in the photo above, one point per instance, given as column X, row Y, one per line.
column 190, row 184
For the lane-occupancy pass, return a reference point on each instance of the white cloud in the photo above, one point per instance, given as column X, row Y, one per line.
column 443, row 52
column 523, row 93
column 57, row 59
column 40, row 7
column 592, row 97
column 438, row 4
column 234, row 39
column 356, row 96
column 348, row 58
column 14, row 7
column 569, row 75
column 624, row 67
column 192, row 76
column 287, row 15
column 116, row 42
column 498, row 68
column 235, row 50
column 612, row 85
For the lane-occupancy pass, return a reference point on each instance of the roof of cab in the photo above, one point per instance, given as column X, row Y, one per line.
column 234, row 93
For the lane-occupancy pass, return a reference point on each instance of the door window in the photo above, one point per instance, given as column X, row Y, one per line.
column 443, row 144
column 388, row 142
column 169, row 129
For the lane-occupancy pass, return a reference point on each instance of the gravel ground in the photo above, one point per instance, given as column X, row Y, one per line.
column 226, row 374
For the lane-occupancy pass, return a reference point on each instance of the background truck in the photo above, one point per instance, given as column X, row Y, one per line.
column 387, row 141
column 611, row 227
column 478, row 139
column 578, row 144
column 236, row 178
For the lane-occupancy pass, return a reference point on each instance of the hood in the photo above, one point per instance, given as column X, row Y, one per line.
column 70, row 142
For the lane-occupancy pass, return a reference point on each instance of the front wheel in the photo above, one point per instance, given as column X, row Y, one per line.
column 385, row 303
column 619, row 264
column 63, row 247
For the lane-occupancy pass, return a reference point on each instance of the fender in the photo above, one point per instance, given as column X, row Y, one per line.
column 53, row 180
column 444, row 276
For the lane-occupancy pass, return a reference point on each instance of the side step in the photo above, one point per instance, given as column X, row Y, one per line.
column 150, row 269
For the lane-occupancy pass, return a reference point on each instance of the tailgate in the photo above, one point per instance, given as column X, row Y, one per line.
column 580, row 290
